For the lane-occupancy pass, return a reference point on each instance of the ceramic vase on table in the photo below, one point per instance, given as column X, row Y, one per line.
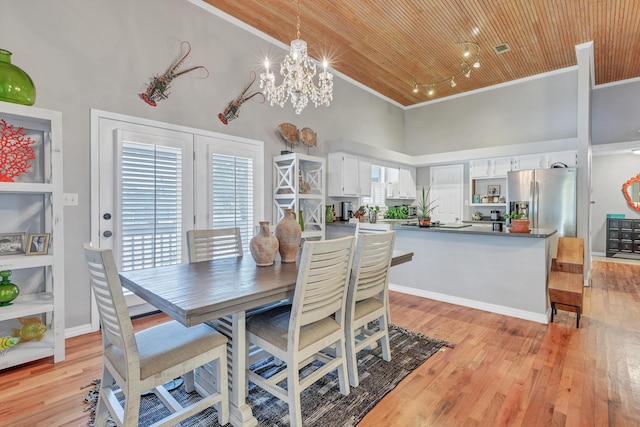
column 15, row 85
column 264, row 246
column 288, row 233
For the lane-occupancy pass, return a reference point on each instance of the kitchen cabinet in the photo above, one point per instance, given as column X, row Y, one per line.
column 32, row 204
column 623, row 238
column 349, row 176
column 530, row 161
column 489, row 168
column 299, row 184
column 568, row 158
column 401, row 183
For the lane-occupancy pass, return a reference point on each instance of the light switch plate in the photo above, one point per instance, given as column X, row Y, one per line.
column 70, row 199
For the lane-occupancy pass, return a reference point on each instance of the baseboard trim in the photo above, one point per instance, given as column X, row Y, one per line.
column 77, row 330
column 492, row 308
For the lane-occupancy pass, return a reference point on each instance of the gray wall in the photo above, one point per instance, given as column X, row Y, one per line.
column 609, row 172
column 101, row 53
column 538, row 109
column 615, row 113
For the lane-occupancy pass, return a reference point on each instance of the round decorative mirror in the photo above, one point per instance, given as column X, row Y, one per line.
column 631, row 191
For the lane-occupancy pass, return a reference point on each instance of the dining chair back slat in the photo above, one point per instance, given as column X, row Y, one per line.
column 205, row 245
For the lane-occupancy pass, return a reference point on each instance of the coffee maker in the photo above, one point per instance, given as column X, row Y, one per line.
column 346, row 211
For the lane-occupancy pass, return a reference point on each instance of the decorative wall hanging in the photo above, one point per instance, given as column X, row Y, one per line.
column 15, row 85
column 308, row 138
column 231, row 112
column 157, row 89
column 289, row 135
column 16, row 152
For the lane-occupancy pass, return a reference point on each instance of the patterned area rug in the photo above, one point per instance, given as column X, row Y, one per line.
column 322, row 403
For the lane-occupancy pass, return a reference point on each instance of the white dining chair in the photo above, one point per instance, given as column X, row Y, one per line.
column 297, row 333
column 207, row 244
column 137, row 362
column 368, row 298
column 368, row 228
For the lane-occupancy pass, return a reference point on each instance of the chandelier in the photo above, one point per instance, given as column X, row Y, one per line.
column 470, row 60
column 298, row 71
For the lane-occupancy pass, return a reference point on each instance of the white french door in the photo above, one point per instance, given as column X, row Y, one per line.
column 152, row 181
column 229, row 184
column 145, row 196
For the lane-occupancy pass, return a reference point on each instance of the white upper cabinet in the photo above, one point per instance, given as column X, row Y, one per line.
column 349, row 176
column 568, row 158
column 401, row 183
column 489, row 168
column 531, row 161
column 407, row 183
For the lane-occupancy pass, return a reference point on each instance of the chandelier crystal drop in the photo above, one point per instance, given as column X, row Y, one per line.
column 298, row 71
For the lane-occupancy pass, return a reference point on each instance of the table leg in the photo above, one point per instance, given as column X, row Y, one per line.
column 239, row 411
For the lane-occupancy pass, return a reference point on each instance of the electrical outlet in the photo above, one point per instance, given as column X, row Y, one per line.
column 70, row 199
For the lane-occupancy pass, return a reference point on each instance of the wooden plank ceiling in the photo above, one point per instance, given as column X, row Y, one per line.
column 385, row 44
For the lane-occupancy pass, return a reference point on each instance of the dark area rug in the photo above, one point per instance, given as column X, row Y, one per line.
column 322, row 403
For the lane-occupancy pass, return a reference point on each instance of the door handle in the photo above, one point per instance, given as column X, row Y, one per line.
column 107, row 233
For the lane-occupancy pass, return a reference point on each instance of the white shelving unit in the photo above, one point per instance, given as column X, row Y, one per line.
column 299, row 184
column 33, row 205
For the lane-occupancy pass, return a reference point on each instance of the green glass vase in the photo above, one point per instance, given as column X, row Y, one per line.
column 8, row 291
column 15, row 85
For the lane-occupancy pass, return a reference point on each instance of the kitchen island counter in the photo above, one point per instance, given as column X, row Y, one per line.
column 474, row 266
column 464, row 228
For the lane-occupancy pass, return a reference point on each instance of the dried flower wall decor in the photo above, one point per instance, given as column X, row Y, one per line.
column 158, row 88
column 16, row 152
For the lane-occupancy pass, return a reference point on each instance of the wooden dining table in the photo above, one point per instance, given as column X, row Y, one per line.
column 225, row 288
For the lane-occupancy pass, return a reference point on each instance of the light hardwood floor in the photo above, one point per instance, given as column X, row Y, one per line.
column 502, row 372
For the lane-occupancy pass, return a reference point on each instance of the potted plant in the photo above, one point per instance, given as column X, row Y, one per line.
column 519, row 223
column 425, row 207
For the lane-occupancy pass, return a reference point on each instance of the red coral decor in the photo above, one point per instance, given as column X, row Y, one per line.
column 16, row 152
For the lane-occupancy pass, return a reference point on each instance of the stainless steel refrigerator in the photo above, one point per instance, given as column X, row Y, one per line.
column 546, row 196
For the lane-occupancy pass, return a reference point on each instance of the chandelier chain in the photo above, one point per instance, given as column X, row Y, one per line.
column 298, row 25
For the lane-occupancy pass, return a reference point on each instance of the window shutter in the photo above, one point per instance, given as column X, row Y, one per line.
column 151, row 206
column 232, row 195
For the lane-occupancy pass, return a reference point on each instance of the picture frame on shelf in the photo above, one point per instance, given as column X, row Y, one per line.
column 11, row 243
column 493, row 190
column 38, row 244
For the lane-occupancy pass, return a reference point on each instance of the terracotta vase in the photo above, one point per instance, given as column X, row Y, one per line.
column 288, row 233
column 520, row 226
column 264, row 246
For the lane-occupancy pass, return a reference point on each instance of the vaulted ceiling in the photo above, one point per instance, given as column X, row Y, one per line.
column 386, row 44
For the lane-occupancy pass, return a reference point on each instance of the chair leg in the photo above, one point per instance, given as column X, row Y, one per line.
column 102, row 413
column 384, row 341
column 577, row 317
column 343, row 376
column 352, row 358
column 220, row 370
column 132, row 408
column 293, row 391
column 553, row 310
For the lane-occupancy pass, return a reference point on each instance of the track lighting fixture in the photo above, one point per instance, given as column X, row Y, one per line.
column 470, row 60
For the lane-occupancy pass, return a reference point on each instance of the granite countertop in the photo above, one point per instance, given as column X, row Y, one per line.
column 411, row 225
